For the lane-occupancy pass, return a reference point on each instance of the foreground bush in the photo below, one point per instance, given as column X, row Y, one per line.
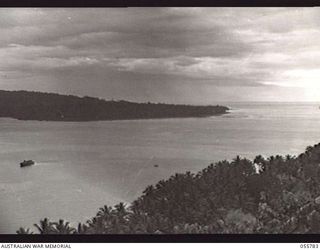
column 274, row 195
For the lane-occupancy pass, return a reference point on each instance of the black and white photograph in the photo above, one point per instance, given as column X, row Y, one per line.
column 157, row 121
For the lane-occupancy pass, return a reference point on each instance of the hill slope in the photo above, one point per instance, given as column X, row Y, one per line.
column 225, row 197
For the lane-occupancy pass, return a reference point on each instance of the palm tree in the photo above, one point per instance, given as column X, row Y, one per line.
column 24, row 231
column 63, row 227
column 160, row 184
column 259, row 159
column 104, row 211
column 45, row 227
column 97, row 225
column 309, row 149
column 236, row 160
column 92, row 221
column 149, row 190
column 121, row 208
column 82, row 229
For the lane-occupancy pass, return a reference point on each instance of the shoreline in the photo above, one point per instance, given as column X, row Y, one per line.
column 125, row 119
column 38, row 106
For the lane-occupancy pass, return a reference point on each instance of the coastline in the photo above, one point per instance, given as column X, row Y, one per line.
column 39, row 106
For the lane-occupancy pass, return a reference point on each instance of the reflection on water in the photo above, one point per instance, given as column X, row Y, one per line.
column 82, row 166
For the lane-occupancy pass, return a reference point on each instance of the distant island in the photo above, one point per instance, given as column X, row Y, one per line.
column 28, row 105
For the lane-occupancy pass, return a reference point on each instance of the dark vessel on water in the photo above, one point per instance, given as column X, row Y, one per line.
column 26, row 163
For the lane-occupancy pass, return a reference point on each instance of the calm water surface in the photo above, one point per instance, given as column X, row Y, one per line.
column 81, row 166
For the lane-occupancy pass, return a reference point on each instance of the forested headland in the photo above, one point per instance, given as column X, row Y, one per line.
column 27, row 105
column 278, row 194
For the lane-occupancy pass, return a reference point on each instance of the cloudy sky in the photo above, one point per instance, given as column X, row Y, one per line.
column 175, row 55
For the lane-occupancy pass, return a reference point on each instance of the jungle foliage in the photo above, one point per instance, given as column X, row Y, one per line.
column 274, row 195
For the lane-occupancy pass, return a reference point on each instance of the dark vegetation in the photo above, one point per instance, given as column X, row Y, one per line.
column 283, row 196
column 25, row 105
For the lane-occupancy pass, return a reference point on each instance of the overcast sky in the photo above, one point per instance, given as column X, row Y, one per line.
column 175, row 55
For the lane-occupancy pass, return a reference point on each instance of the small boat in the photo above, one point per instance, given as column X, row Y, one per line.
column 156, row 165
column 26, row 163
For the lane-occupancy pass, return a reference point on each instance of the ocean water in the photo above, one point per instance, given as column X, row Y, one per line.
column 81, row 166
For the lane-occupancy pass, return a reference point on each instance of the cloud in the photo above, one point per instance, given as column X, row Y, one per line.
column 37, row 58
column 117, row 48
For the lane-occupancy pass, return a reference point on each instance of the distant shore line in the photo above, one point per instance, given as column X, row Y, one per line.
column 117, row 120
column 39, row 106
column 124, row 119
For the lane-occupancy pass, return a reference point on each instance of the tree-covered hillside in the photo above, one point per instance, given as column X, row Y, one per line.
column 274, row 195
column 25, row 105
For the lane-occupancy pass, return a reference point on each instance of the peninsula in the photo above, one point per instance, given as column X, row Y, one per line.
column 27, row 105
